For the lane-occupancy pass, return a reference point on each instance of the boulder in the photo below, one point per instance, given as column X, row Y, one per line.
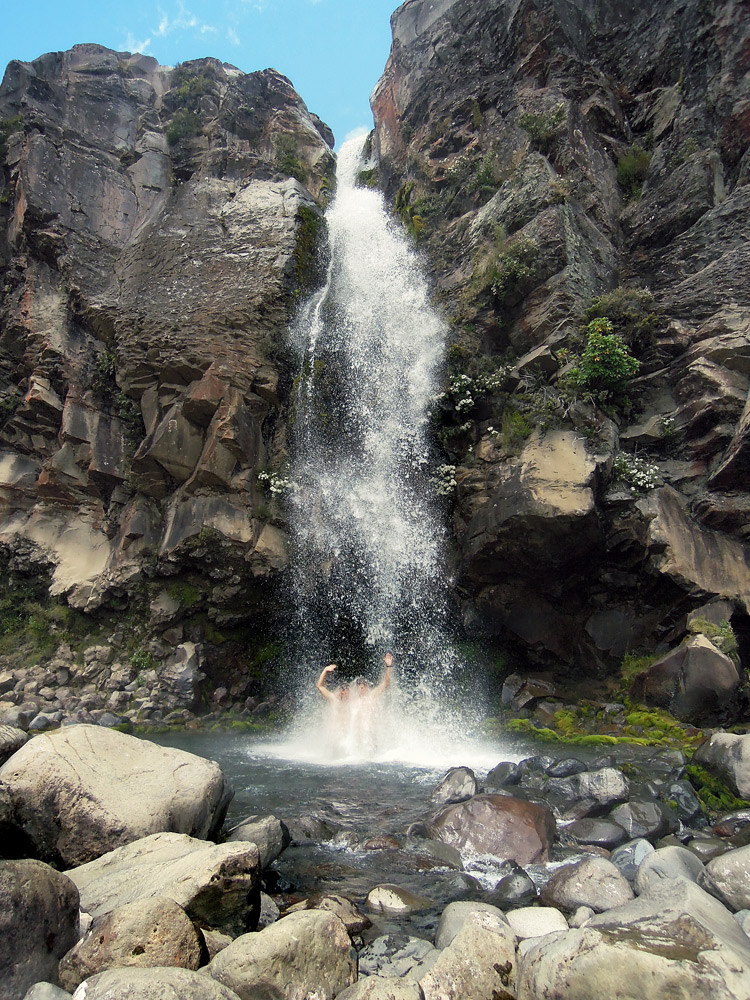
column 307, row 953
column 84, row 790
column 627, row 858
column 514, row 888
column 728, row 878
column 667, row 863
column 455, row 915
column 46, row 991
column 11, row 740
column 152, row 984
column 589, row 792
column 270, row 835
column 382, row 988
column 353, row 919
column 480, row 961
column 38, row 924
column 459, row 784
column 696, row 682
column 535, row 921
column 593, row 882
column 728, row 757
column 216, row 884
column 496, row 824
column 145, row 933
column 394, row 955
column 503, row 774
column 395, row 899
column 646, row 819
column 599, row 832
column 674, row 941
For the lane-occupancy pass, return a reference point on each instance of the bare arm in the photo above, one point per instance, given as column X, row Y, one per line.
column 321, row 682
column 388, row 659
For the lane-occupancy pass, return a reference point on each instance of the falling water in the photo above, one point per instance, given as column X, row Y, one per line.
column 367, row 524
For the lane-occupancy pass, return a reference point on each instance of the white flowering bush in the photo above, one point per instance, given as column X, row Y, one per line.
column 445, row 481
column 637, row 472
column 275, row 484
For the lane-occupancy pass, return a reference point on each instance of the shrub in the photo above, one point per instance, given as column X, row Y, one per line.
column 7, row 127
column 191, row 84
column 721, row 635
column 632, row 311
column 514, row 429
column 184, row 125
column 632, row 171
column 636, row 471
column 606, row 365
column 515, row 268
column 543, row 128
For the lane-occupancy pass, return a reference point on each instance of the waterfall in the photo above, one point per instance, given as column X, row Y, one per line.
column 367, row 523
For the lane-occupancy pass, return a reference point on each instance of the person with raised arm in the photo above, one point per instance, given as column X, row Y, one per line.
column 341, row 692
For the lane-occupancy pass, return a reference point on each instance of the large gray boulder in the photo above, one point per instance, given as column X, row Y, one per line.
column 728, row 757
column 305, row 954
column 145, row 933
column 152, row 984
column 382, row 988
column 593, row 882
column 496, row 824
column 216, row 884
column 270, row 835
column 38, row 924
column 667, row 863
column 395, row 956
column 457, row 785
column 84, row 790
column 11, row 740
column 480, row 961
column 728, row 878
column 674, row 941
column 455, row 915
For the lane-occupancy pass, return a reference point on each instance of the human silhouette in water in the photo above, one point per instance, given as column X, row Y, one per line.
column 354, row 722
column 361, row 685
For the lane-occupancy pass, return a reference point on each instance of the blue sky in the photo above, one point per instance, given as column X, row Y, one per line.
column 333, row 51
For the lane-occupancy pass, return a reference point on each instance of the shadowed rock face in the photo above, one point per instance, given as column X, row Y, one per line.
column 155, row 226
column 544, row 154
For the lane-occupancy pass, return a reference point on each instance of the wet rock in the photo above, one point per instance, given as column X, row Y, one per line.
column 600, row 832
column 536, row 921
column 304, row 953
column 696, row 682
column 494, row 824
column 681, row 798
column 84, row 790
column 459, row 784
column 728, row 757
column 627, row 858
column 666, row 863
column 514, row 888
column 216, row 884
column 352, row 918
column 706, row 847
column 502, row 775
column 395, row 899
column 593, row 882
column 479, row 960
column 649, row 820
column 394, row 955
column 455, row 915
column 520, row 692
column 728, row 878
column 383, row 843
column 732, row 823
column 434, row 854
column 145, row 933
column 38, row 924
column 580, row 916
column 269, row 834
column 675, row 940
column 152, row 984
column 309, row 829
column 590, row 792
column 566, row 767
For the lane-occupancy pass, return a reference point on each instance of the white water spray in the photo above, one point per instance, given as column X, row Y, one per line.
column 368, row 528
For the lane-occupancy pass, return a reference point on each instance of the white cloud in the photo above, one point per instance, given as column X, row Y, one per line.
column 133, row 45
column 233, row 37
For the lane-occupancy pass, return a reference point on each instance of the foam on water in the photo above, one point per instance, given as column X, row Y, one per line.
column 367, row 525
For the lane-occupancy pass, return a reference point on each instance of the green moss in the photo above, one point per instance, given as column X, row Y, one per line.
column 186, row 593
column 368, row 178
column 287, row 158
column 309, row 228
column 184, row 125
column 476, row 115
column 715, row 795
column 632, row 171
column 721, row 635
column 514, row 430
column 633, row 665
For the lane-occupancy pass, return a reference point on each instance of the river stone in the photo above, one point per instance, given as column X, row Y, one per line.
column 269, row 912
column 480, row 961
column 152, row 984
column 393, row 899
column 728, row 757
column 580, row 916
column 442, row 854
column 269, row 834
column 382, row 988
column 353, row 919
column 595, row 791
column 455, row 915
column 216, row 941
column 732, row 823
column 146, row 933
column 38, row 924
column 673, row 944
column 706, row 847
column 11, row 740
column 503, row 774
column 216, row 884
column 459, row 784
column 496, row 824
column 682, row 799
column 597, row 831
column 307, row 953
column 627, row 858
column 393, row 955
column 649, row 820
column 514, row 888
column 728, row 878
column 535, row 921
column 667, row 863
column 83, row 790
column 593, row 882
column 46, row 991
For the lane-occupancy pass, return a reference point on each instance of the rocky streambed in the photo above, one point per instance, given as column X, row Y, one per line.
column 130, row 871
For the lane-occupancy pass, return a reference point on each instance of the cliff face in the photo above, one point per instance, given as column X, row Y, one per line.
column 156, row 226
column 560, row 162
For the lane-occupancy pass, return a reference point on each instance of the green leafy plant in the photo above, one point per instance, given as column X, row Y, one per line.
column 543, row 128
column 632, row 311
column 142, row 659
column 191, row 83
column 722, row 635
column 7, row 127
column 632, row 171
column 606, row 365
column 515, row 269
column 368, row 178
column 184, row 125
column 638, row 472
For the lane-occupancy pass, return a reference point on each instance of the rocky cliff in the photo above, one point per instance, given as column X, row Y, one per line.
column 156, row 228
column 562, row 164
